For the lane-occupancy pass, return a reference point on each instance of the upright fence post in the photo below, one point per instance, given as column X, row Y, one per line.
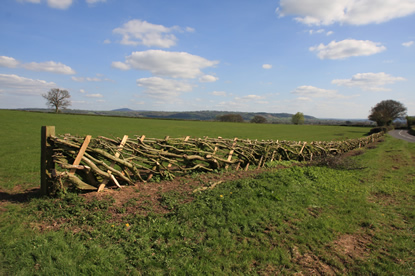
column 47, row 164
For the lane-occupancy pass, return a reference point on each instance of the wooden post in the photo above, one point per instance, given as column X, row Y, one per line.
column 47, row 164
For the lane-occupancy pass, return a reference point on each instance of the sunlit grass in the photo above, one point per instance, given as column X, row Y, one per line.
column 20, row 136
column 283, row 221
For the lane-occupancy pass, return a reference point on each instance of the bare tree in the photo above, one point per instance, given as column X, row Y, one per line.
column 385, row 112
column 57, row 98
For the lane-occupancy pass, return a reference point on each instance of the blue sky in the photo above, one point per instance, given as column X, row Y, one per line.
column 325, row 58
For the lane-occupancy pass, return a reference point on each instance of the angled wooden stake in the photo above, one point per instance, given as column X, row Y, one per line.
column 231, row 152
column 81, row 153
column 117, row 154
column 301, row 151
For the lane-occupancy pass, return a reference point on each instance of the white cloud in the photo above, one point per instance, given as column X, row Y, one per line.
column 137, row 32
column 82, row 91
column 107, row 41
column 304, row 99
column 94, row 95
column 83, row 79
column 354, row 12
column 49, row 66
column 59, row 4
column 242, row 103
column 208, row 78
column 163, row 88
column 219, row 93
column 190, row 30
column 170, row 64
column 369, row 81
column 249, row 98
column 347, row 48
column 319, row 31
column 8, row 62
column 120, row 65
column 30, row 1
column 91, row 2
column 307, row 91
column 408, row 44
column 266, row 66
column 13, row 84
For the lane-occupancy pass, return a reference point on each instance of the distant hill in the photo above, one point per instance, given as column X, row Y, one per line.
column 123, row 109
column 206, row 115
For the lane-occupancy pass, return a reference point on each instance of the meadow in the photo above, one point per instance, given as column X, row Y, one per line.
column 353, row 215
column 20, row 147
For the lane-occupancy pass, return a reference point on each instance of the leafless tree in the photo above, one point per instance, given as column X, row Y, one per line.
column 57, row 98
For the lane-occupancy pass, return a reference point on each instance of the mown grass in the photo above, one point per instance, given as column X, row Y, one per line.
column 282, row 221
column 20, row 136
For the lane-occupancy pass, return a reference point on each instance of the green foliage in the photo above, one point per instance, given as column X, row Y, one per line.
column 234, row 118
column 385, row 112
column 298, row 118
column 258, row 119
column 410, row 121
column 271, row 224
column 262, row 225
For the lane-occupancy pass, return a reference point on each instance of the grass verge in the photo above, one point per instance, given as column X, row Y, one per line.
column 353, row 219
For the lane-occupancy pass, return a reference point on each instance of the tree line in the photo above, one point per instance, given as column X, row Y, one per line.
column 383, row 114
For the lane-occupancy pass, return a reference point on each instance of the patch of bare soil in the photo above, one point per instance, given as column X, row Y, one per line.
column 145, row 198
column 311, row 264
column 347, row 249
column 352, row 247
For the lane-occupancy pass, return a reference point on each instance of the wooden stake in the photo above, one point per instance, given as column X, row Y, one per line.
column 81, row 153
column 301, row 151
column 117, row 154
column 231, row 152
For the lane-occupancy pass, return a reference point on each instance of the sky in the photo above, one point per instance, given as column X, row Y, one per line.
column 324, row 58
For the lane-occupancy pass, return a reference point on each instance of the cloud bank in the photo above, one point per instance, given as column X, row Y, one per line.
column 369, row 81
column 353, row 12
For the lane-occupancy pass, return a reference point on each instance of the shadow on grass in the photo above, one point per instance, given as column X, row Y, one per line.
column 22, row 197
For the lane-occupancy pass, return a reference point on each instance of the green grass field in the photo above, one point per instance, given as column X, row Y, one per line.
column 353, row 218
column 20, row 135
